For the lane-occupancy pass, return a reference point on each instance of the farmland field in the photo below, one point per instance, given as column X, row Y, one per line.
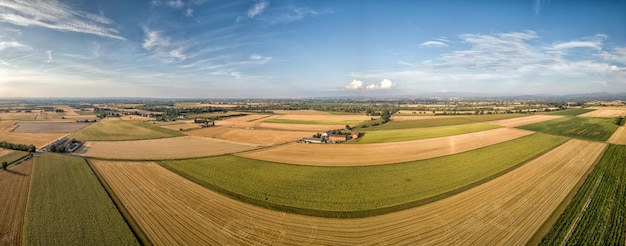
column 38, row 139
column 383, row 153
column 598, row 211
column 433, row 121
column 119, row 130
column 524, row 120
column 596, row 129
column 68, row 205
column 606, row 112
column 573, row 112
column 422, row 133
column 252, row 136
column 619, row 136
column 161, row 149
column 506, row 210
column 48, row 127
column 14, row 189
column 314, row 122
column 308, row 189
column 11, row 155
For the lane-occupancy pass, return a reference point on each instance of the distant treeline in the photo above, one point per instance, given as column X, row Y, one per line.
column 23, row 147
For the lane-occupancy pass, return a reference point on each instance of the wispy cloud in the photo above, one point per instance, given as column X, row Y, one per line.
column 538, row 4
column 57, row 16
column 594, row 42
column 13, row 44
column 49, row 53
column 436, row 44
column 291, row 14
column 260, row 59
column 175, row 3
column 164, row 47
column 257, row 9
column 189, row 12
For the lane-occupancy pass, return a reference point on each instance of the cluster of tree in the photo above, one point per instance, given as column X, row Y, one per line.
column 58, row 149
column 23, row 147
column 620, row 121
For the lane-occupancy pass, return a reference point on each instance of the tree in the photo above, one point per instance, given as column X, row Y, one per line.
column 32, row 148
column 52, row 148
column 348, row 127
column 5, row 165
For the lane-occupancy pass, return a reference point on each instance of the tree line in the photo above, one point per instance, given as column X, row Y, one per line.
column 22, row 147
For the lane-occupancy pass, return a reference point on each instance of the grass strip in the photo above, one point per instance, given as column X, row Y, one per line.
column 68, row 206
column 359, row 191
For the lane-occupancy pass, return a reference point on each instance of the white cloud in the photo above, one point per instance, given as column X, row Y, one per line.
column 354, row 85
column 175, row 4
column 13, row 44
column 384, row 85
column 55, row 15
column 436, row 44
column 49, row 53
column 189, row 12
column 257, row 9
column 260, row 59
column 164, row 47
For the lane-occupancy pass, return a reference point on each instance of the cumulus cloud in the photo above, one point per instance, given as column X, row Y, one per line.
column 55, row 15
column 355, row 85
column 257, row 9
column 436, row 44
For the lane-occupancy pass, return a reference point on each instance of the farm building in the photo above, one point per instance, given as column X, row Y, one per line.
column 312, row 140
column 337, row 138
column 354, row 135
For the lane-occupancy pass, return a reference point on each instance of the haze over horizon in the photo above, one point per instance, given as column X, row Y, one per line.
column 288, row 49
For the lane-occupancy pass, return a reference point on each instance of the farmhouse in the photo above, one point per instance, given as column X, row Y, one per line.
column 337, row 138
column 354, row 135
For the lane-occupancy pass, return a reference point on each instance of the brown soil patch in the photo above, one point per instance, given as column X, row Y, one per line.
column 161, row 149
column 383, row 153
column 606, row 112
column 252, row 136
column 506, row 210
column 14, row 184
column 619, row 136
column 515, row 122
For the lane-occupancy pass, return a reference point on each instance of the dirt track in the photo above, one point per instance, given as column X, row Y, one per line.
column 14, row 185
column 504, row 211
column 515, row 122
column 383, row 153
column 161, row 149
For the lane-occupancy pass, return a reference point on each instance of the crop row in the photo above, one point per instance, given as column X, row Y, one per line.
column 595, row 129
column 598, row 211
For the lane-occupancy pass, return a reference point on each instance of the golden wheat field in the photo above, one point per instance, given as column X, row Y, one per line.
column 606, row 112
column 252, row 136
column 504, row 211
column 619, row 136
column 14, row 185
column 161, row 149
column 383, row 153
column 515, row 122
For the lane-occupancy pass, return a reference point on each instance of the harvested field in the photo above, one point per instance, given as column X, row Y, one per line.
column 504, row 211
column 323, row 117
column 606, row 112
column 515, row 122
column 119, row 130
column 383, row 153
column 300, row 127
column 252, row 136
column 161, row 149
column 14, row 185
column 301, row 112
column 619, row 136
column 18, row 116
column 243, row 121
column 421, row 133
column 48, row 127
column 38, row 139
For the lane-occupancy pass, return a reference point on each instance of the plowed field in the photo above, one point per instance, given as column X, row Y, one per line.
column 14, row 189
column 515, row 122
column 619, row 136
column 383, row 153
column 506, row 210
column 161, row 149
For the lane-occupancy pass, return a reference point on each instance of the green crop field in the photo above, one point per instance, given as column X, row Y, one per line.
column 573, row 112
column 314, row 122
column 443, row 121
column 116, row 130
column 595, row 129
column 359, row 191
column 12, row 156
column 67, row 205
column 598, row 211
column 422, row 133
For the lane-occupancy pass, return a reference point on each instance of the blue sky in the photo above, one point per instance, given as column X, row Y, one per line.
column 295, row 49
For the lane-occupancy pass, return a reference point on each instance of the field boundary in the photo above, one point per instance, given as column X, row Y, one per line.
column 354, row 213
column 130, row 221
column 549, row 223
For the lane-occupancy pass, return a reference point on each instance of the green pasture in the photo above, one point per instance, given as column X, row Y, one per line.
column 358, row 191
column 116, row 130
column 597, row 214
column 595, row 129
column 422, row 133
column 314, row 122
column 443, row 121
column 572, row 112
column 12, row 156
column 67, row 205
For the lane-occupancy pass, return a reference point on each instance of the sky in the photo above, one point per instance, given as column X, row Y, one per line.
column 300, row 49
